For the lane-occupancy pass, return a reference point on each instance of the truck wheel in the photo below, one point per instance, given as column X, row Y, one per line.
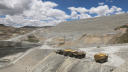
column 76, row 57
column 106, row 60
column 70, row 55
column 66, row 55
column 96, row 60
column 101, row 61
column 83, row 56
column 79, row 57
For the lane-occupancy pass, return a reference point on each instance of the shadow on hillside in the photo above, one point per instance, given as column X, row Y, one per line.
column 5, row 51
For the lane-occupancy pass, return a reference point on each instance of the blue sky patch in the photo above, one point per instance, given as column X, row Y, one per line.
column 2, row 16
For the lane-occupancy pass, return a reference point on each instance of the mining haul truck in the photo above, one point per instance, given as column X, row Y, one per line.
column 80, row 54
column 101, row 57
column 59, row 52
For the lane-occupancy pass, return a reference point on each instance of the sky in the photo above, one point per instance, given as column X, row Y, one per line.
column 52, row 12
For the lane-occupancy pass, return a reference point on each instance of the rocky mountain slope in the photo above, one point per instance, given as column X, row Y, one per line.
column 7, row 32
column 93, row 25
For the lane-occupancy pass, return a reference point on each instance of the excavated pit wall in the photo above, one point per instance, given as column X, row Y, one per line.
column 83, row 40
column 94, row 39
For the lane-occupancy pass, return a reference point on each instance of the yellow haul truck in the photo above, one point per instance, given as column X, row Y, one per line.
column 101, row 57
column 80, row 54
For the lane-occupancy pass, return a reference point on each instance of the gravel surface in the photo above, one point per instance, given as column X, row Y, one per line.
column 27, row 62
column 60, row 63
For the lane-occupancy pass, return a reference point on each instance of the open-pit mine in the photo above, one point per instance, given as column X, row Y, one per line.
column 97, row 44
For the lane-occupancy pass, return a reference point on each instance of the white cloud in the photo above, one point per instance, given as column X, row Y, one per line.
column 102, row 3
column 81, row 10
column 19, row 20
column 117, row 9
column 104, row 10
column 120, row 12
column 109, row 1
column 46, row 10
column 31, row 12
column 13, row 7
column 83, row 15
column 74, row 15
column 101, row 10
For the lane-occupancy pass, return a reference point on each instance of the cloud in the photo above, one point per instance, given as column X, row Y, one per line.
column 120, row 12
column 102, row 3
column 31, row 12
column 81, row 10
column 20, row 21
column 74, row 15
column 13, row 7
column 101, row 10
column 109, row 1
column 45, row 10
column 115, row 8
column 104, row 10
column 83, row 15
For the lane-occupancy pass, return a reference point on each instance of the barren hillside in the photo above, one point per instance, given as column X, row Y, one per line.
column 7, row 32
column 95, row 25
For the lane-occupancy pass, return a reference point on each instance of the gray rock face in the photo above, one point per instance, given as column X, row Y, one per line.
column 103, row 24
